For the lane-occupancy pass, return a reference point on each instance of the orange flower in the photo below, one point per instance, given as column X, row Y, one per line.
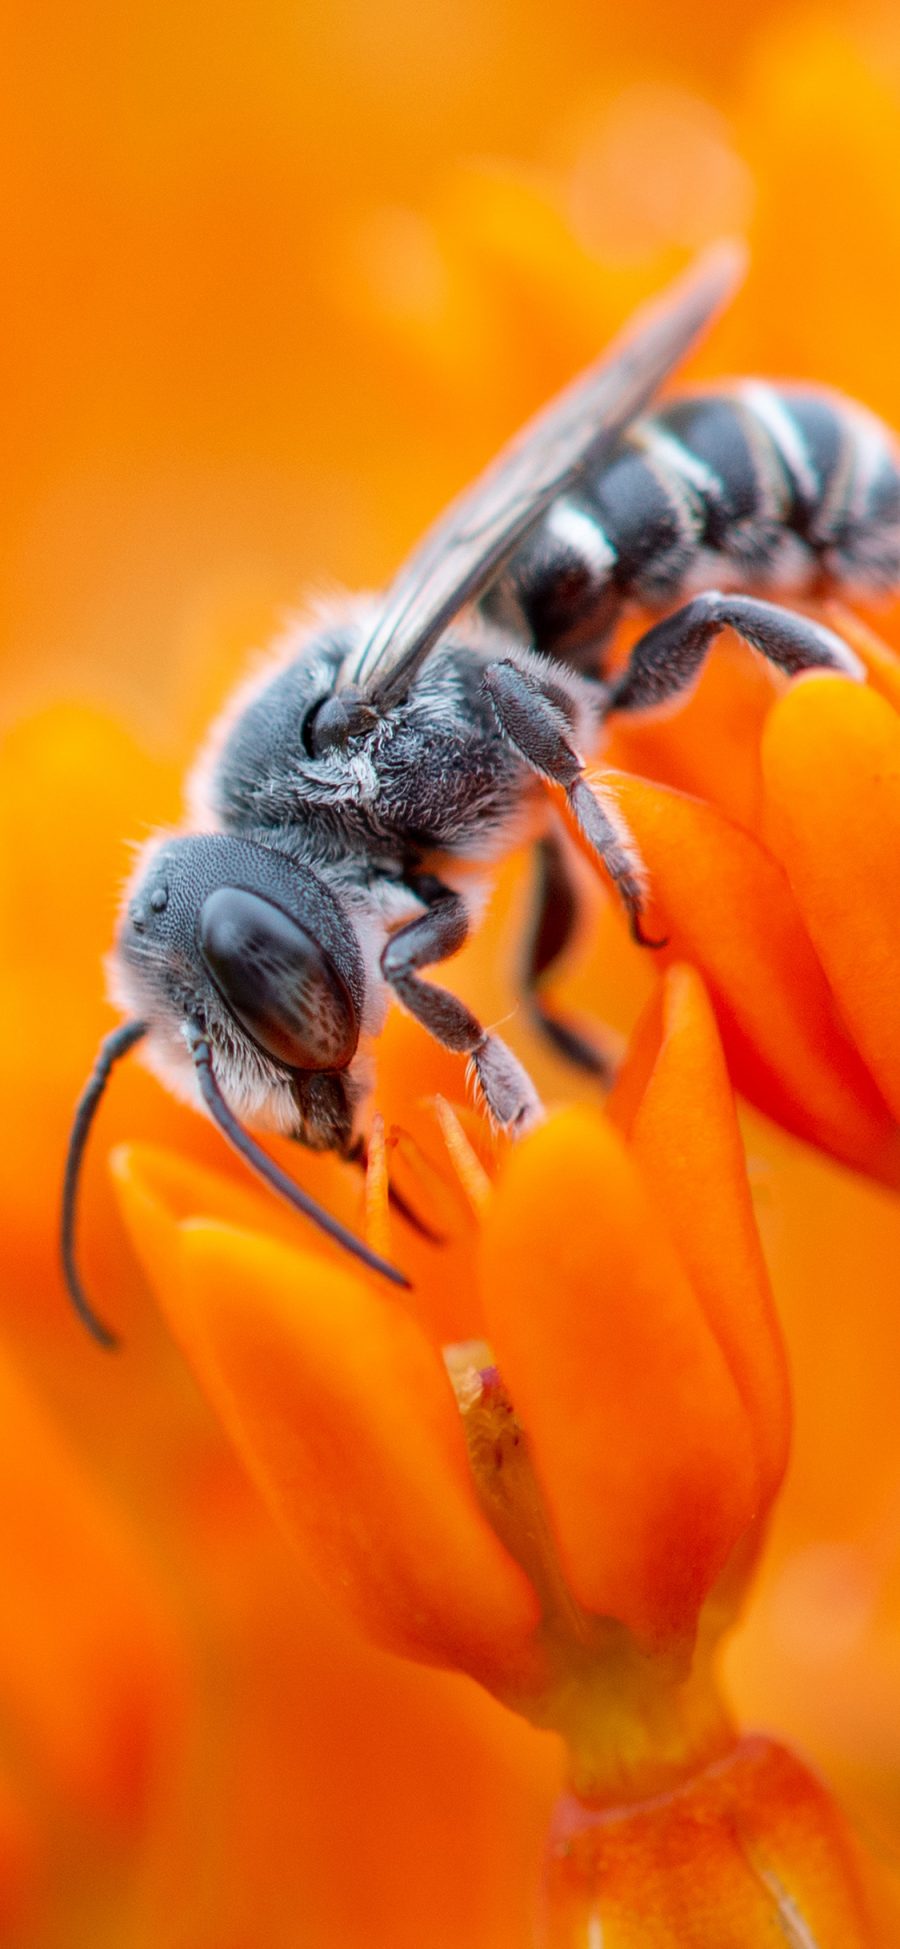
column 576, row 1529
column 365, row 1455
column 231, row 318
column 805, row 1013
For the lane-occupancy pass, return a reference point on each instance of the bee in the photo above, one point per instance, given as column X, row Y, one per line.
column 347, row 795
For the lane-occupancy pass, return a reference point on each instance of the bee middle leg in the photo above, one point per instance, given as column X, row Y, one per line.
column 433, row 936
column 667, row 657
column 554, row 922
column 534, row 716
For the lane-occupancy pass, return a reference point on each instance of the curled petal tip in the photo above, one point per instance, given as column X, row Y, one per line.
column 728, row 908
column 831, row 763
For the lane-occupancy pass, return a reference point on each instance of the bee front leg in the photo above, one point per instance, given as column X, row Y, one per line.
column 533, row 716
column 433, row 936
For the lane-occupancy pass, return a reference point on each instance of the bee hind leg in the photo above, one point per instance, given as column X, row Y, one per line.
column 533, row 717
column 553, row 926
column 433, row 936
column 667, row 657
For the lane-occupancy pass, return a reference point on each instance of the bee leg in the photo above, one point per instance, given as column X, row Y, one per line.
column 667, row 658
column 529, row 714
column 555, row 921
column 433, row 936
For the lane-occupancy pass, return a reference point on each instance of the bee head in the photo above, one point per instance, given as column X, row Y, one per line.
column 241, row 968
column 240, row 938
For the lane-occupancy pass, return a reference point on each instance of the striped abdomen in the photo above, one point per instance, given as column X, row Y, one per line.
column 754, row 486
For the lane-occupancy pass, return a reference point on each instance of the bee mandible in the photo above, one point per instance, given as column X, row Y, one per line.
column 346, row 796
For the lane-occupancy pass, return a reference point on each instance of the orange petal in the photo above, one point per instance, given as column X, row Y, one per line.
column 831, row 759
column 751, row 1853
column 345, row 1417
column 881, row 662
column 725, row 905
column 159, row 1188
column 709, row 745
column 640, row 1441
column 684, row 1136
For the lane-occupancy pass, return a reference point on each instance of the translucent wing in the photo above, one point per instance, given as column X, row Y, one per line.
column 464, row 551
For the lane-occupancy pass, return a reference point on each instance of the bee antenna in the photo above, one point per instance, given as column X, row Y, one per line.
column 265, row 1166
column 111, row 1049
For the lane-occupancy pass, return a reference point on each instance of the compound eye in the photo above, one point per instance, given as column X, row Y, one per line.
column 277, row 981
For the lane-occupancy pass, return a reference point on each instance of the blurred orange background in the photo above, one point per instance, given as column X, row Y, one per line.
column 216, row 235
column 277, row 280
